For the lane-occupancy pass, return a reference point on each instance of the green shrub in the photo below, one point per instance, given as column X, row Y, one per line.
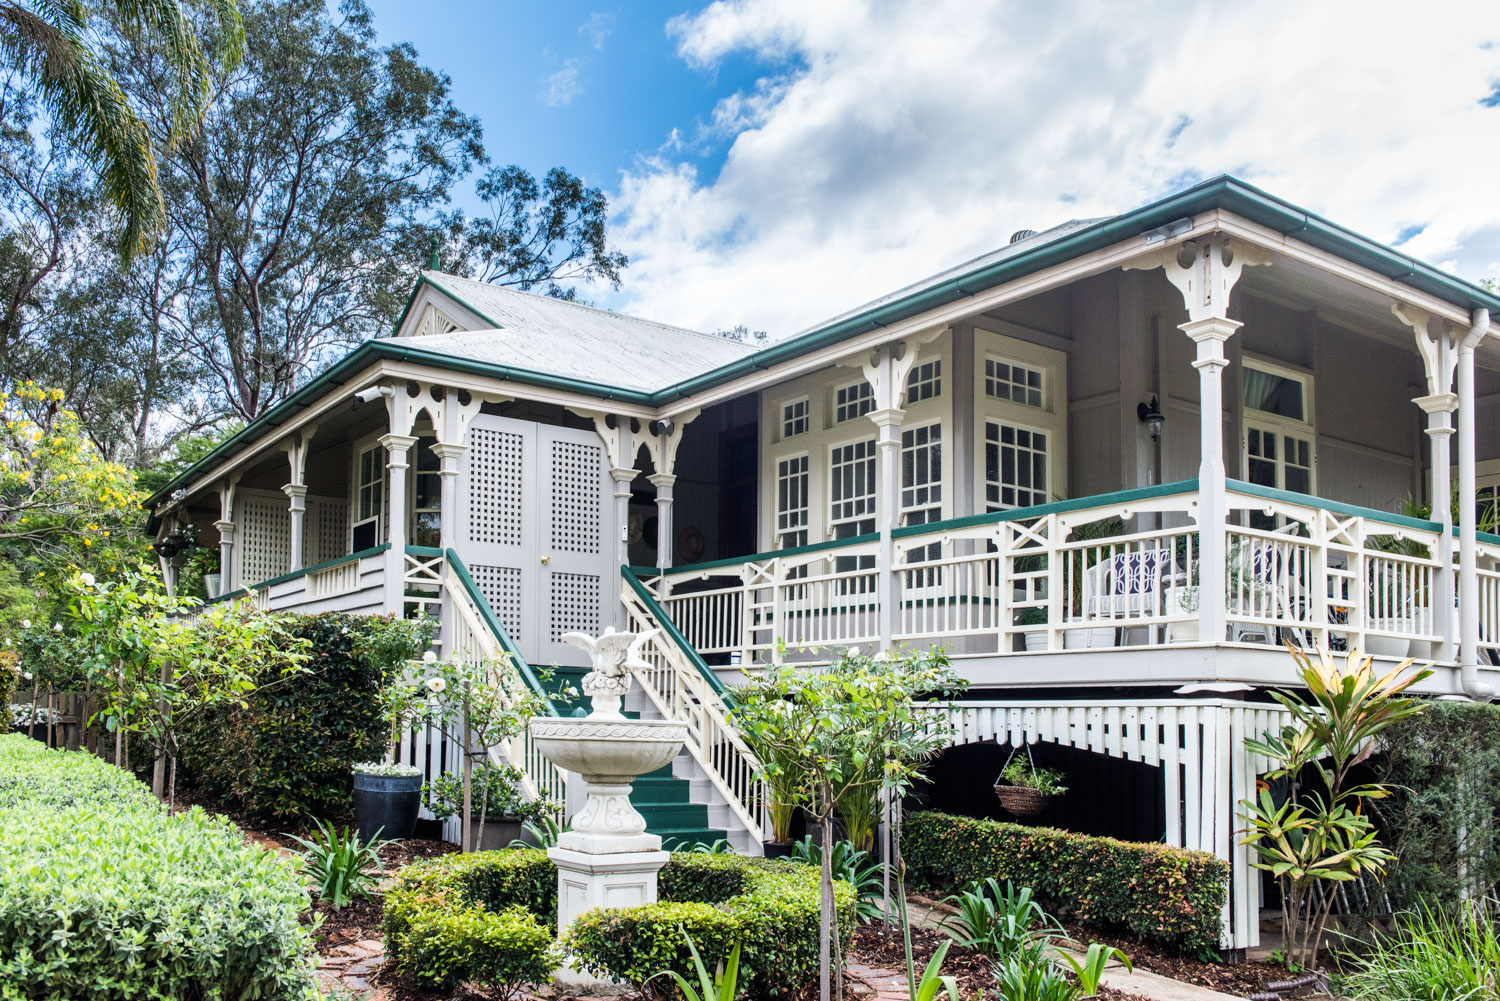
column 1156, row 892
column 104, row 895
column 287, row 754
column 443, row 909
column 1444, row 766
column 1432, row 956
column 768, row 906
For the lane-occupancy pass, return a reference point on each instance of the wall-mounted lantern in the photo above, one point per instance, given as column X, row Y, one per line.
column 1152, row 417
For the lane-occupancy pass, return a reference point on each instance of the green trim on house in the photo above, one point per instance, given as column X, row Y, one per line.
column 1053, row 507
column 812, row 547
column 424, row 280
column 497, row 629
column 428, row 551
column 674, row 634
column 1337, row 507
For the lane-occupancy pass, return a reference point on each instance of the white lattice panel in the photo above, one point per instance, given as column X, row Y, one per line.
column 495, row 478
column 501, row 587
column 574, row 605
column 332, row 532
column 577, row 496
column 265, row 529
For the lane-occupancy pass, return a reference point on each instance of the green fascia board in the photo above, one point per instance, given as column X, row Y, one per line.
column 674, row 634
column 493, row 622
column 1224, row 192
column 1336, row 507
column 424, row 280
column 294, row 574
column 1053, row 507
column 813, row 547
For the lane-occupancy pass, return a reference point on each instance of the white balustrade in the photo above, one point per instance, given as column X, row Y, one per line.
column 1124, row 572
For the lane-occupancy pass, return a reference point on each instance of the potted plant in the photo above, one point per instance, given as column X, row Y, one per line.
column 1033, row 615
column 1024, row 789
column 497, row 805
column 202, row 563
column 388, row 795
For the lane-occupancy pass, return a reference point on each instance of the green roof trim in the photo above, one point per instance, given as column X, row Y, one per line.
column 1226, row 193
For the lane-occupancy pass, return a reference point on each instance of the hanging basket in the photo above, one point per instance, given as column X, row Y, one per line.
column 1021, row 801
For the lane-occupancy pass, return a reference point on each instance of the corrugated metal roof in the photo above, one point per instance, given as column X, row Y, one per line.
column 544, row 334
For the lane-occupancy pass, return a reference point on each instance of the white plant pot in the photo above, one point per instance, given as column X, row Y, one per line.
column 1096, row 638
column 1185, row 631
column 1388, row 646
column 1036, row 641
column 211, row 585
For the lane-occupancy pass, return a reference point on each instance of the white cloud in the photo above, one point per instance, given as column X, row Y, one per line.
column 599, row 26
column 561, row 87
column 887, row 141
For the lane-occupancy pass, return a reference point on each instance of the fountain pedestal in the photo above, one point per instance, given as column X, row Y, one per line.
column 607, row 859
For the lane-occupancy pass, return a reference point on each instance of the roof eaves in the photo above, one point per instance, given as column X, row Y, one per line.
column 1222, row 192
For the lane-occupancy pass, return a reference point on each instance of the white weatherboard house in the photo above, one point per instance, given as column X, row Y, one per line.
column 1112, row 467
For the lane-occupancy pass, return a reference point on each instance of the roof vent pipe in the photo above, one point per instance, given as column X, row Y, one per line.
column 1022, row 234
column 1468, row 554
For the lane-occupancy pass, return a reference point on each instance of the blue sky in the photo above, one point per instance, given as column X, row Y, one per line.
column 580, row 85
column 775, row 162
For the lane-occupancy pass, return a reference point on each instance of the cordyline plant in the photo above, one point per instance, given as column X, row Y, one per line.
column 1320, row 834
column 850, row 736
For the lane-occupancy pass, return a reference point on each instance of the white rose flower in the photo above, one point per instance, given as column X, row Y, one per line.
column 57, row 627
column 26, row 675
column 436, row 685
column 86, row 579
column 25, row 623
column 429, row 657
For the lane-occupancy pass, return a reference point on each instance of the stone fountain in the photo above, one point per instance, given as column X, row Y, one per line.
column 607, row 859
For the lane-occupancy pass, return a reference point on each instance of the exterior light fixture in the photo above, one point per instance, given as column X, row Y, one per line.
column 1152, row 417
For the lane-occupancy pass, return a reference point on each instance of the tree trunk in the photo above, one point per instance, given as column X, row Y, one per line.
column 484, row 803
column 825, row 917
column 466, row 825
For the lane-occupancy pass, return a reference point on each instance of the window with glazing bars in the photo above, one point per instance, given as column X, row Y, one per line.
column 1006, row 380
column 851, row 401
column 925, row 382
column 852, row 511
column 1015, row 466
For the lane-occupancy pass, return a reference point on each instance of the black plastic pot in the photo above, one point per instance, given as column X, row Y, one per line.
column 386, row 803
column 778, row 849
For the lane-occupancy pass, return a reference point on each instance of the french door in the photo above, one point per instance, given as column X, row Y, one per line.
column 534, row 506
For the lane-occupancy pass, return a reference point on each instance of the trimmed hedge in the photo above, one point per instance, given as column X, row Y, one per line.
column 1158, row 893
column 105, row 895
column 474, row 917
column 441, row 908
column 287, row 753
column 769, row 906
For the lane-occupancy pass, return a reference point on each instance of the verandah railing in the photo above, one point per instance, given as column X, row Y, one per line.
column 1116, row 570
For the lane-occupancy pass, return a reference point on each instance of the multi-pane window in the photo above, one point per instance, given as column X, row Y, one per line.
column 1015, row 466
column 852, row 510
column 1006, row 380
column 922, row 491
column 427, row 495
column 793, row 418
column 925, row 382
column 1277, row 459
column 791, row 502
column 369, row 496
column 851, row 401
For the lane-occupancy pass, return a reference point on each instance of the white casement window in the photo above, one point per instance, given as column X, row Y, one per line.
column 925, row 382
column 1280, row 439
column 1010, row 380
column 922, row 489
column 851, row 401
column 369, row 498
column 427, row 496
column 1016, row 467
column 851, row 474
column 791, row 502
column 794, row 418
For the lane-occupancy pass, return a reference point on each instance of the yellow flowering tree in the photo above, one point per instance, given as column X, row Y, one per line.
column 57, row 491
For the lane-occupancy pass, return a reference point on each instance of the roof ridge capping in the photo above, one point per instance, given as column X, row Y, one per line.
column 436, row 278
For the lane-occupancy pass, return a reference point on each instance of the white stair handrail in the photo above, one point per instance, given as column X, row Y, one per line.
column 678, row 689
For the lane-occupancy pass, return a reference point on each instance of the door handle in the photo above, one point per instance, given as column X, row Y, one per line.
column 546, row 559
